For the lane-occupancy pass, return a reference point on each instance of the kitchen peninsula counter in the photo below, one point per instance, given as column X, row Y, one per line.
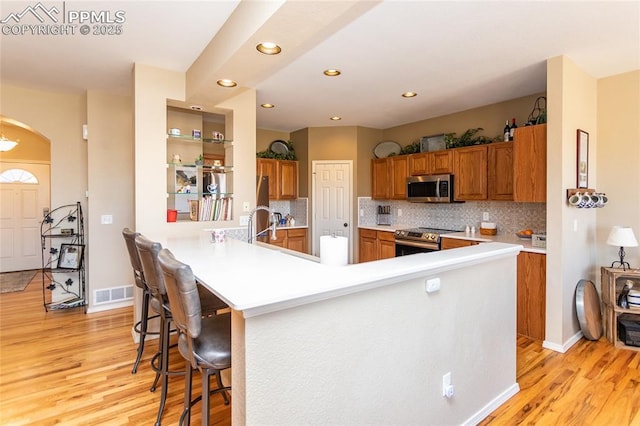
column 316, row 333
column 254, row 279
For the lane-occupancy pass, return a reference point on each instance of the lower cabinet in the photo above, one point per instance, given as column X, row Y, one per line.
column 292, row 239
column 376, row 245
column 451, row 243
column 532, row 294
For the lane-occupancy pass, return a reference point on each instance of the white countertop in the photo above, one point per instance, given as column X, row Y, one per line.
column 499, row 238
column 292, row 227
column 255, row 279
column 388, row 228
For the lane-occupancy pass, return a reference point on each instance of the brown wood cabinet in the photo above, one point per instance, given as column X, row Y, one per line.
column 509, row 171
column 389, row 178
column 431, row 163
column 399, row 170
column 376, row 245
column 500, row 171
column 283, row 177
column 419, row 164
column 297, row 240
column 613, row 281
column 380, row 180
column 532, row 294
column 451, row 243
column 470, row 170
column 292, row 239
column 530, row 164
column 441, row 162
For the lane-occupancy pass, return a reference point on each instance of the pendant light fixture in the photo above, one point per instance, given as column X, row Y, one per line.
column 6, row 144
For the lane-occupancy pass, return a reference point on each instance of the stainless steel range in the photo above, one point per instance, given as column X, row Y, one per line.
column 418, row 240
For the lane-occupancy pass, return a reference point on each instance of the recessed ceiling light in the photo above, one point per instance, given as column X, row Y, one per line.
column 196, row 107
column 409, row 94
column 267, row 105
column 226, row 83
column 336, row 118
column 331, row 73
column 268, row 48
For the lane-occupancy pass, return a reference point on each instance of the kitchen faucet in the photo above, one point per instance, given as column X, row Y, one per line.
column 250, row 235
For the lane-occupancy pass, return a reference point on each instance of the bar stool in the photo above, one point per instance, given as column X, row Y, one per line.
column 148, row 252
column 141, row 326
column 205, row 343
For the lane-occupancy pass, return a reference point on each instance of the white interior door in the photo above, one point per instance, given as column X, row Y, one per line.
column 332, row 189
column 24, row 193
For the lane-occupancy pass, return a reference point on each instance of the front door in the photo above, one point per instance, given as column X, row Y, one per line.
column 332, row 191
column 24, row 194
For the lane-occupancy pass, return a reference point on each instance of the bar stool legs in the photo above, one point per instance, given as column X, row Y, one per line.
column 141, row 329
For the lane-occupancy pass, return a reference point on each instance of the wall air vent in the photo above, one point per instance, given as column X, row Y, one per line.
column 113, row 294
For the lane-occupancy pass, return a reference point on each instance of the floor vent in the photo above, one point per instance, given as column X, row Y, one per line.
column 113, row 294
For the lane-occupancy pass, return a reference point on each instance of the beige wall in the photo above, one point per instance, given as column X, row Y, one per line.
column 265, row 137
column 367, row 140
column 58, row 117
column 490, row 117
column 98, row 165
column 111, row 190
column 300, row 140
column 152, row 87
column 571, row 246
column 618, row 161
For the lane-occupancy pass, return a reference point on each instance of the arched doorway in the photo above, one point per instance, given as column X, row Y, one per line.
column 25, row 193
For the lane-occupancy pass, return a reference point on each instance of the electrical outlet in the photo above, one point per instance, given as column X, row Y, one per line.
column 106, row 219
column 244, row 220
column 399, row 212
column 361, row 212
column 485, row 216
column 432, row 285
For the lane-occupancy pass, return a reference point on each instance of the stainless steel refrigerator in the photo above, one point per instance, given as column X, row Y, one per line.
column 262, row 217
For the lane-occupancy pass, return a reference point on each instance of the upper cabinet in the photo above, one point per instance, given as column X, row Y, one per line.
column 470, row 171
column 283, row 177
column 380, row 179
column 440, row 162
column 530, row 164
column 389, row 177
column 431, row 163
column 500, row 171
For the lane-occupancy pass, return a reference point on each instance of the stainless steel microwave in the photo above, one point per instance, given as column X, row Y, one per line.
column 430, row 189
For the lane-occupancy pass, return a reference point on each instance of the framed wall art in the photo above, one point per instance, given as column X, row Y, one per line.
column 582, row 165
column 71, row 256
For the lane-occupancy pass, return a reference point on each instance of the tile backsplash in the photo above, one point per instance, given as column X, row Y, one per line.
column 297, row 208
column 509, row 217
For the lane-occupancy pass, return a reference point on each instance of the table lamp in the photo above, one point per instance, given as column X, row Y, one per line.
column 622, row 236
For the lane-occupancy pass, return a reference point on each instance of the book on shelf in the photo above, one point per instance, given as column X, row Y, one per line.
column 210, row 208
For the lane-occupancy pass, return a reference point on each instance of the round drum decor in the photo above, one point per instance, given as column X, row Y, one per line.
column 588, row 309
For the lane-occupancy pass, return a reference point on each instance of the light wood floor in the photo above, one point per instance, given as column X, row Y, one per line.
column 65, row 367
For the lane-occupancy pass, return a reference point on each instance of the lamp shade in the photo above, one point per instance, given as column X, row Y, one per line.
column 622, row 236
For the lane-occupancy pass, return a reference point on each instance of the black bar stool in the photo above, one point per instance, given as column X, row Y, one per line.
column 141, row 326
column 205, row 343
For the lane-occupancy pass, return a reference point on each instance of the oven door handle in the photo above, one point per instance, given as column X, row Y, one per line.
column 431, row 246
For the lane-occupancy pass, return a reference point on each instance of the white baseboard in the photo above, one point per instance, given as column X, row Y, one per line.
column 492, row 405
column 565, row 346
column 108, row 307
